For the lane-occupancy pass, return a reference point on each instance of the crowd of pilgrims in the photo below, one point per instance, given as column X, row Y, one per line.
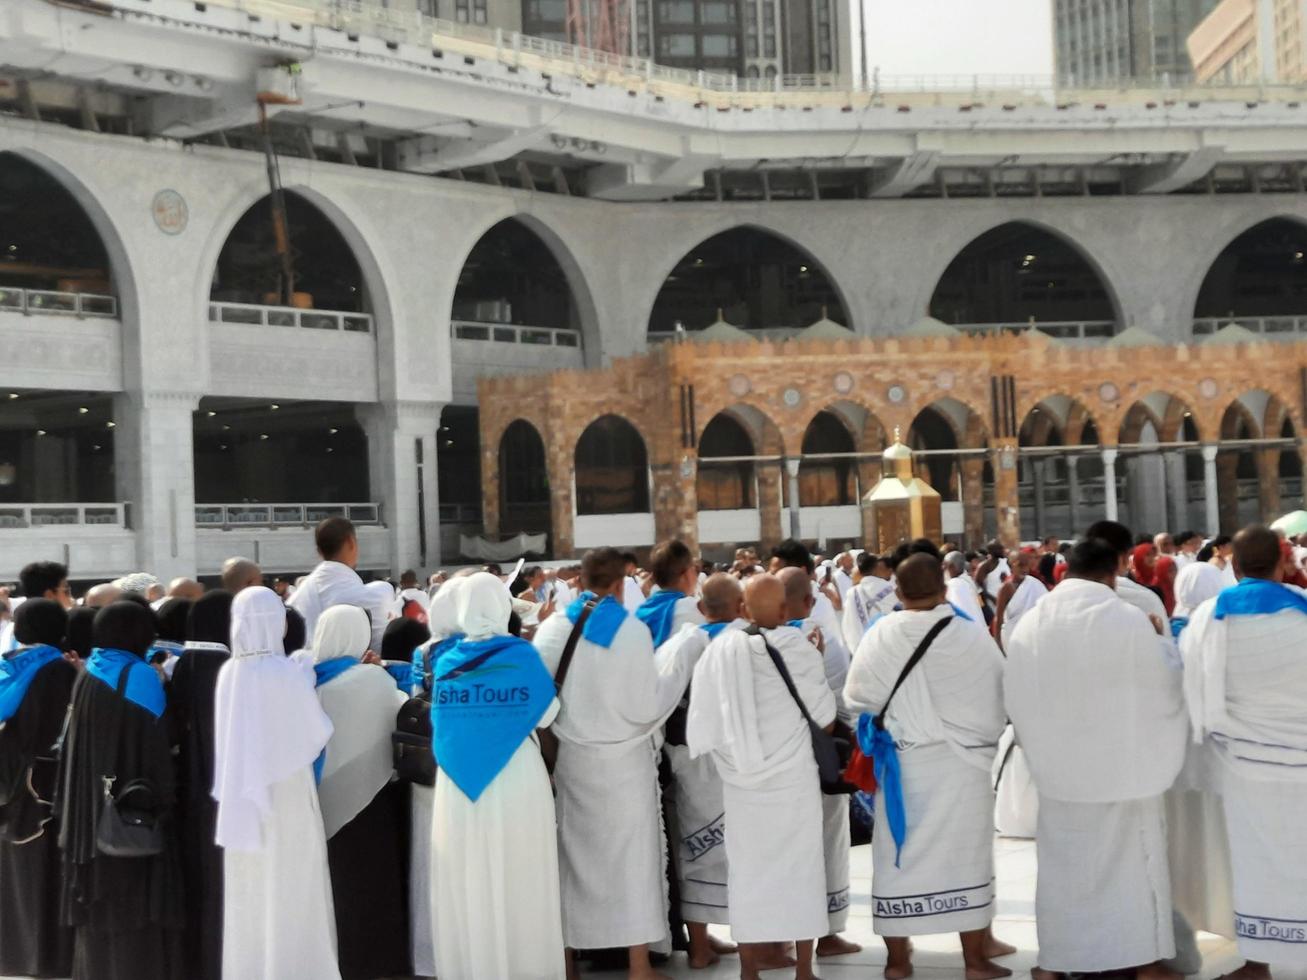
column 212, row 784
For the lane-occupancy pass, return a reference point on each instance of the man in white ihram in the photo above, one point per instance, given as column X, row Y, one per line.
column 742, row 712
column 1246, row 685
column 335, row 583
column 945, row 720
column 1099, row 712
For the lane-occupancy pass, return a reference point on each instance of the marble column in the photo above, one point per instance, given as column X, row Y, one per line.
column 1073, row 491
column 1211, row 492
column 1109, row 483
column 1038, row 468
column 402, row 469
column 1177, row 492
column 1006, row 500
column 792, row 473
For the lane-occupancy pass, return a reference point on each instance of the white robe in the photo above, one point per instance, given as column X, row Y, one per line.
column 1025, row 598
column 962, row 592
column 1098, row 711
column 334, row 584
column 279, row 921
column 1246, row 683
column 362, row 703
column 632, row 595
column 494, row 886
column 742, row 713
column 610, row 839
column 700, row 812
column 946, row 720
column 868, row 599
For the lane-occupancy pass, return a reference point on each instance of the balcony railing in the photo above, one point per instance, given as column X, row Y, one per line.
column 460, row 514
column 510, row 333
column 289, row 316
column 1057, row 329
column 1271, row 326
column 53, row 301
column 13, row 516
column 228, row 516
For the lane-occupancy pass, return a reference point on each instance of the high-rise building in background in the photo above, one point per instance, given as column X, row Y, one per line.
column 1109, row 41
column 1250, row 41
column 749, row 38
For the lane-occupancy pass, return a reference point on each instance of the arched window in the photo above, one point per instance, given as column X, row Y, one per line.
column 523, row 479
column 511, row 276
column 612, row 469
column 725, row 486
column 1262, row 273
column 827, row 482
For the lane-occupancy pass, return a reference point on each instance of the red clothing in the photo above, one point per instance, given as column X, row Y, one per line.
column 1164, row 581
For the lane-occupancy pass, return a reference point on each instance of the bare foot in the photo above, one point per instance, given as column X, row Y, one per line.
column 701, row 958
column 836, row 945
column 1249, row 971
column 1156, row 971
column 721, row 947
column 996, row 947
column 986, row 970
column 899, row 964
column 776, row 956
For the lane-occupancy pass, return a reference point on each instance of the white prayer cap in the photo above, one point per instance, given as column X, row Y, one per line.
column 258, row 623
column 1197, row 582
column 342, row 631
column 442, row 617
column 136, row 582
column 483, row 606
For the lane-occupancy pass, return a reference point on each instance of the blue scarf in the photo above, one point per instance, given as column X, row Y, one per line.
column 960, row 613
column 401, row 672
column 658, row 612
column 418, row 674
column 878, row 745
column 143, row 686
column 328, row 670
column 604, row 622
column 713, row 629
column 1177, row 626
column 796, row 623
column 17, row 673
column 487, row 699
column 1258, row 597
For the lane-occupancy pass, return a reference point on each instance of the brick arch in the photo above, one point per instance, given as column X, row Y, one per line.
column 1071, row 431
column 616, row 412
column 973, row 434
column 1278, row 408
column 1169, row 425
column 870, row 436
column 763, row 430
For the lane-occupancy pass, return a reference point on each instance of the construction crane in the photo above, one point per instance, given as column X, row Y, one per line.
column 284, row 91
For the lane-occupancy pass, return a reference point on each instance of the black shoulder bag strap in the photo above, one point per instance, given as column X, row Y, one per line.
column 784, row 671
column 569, row 648
column 913, row 660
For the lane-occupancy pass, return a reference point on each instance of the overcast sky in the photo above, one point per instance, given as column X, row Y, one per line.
column 951, row 37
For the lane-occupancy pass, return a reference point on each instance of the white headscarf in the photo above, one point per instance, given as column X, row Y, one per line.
column 361, row 703
column 1197, row 582
column 342, row 631
column 268, row 725
column 383, row 595
column 442, row 617
column 483, row 607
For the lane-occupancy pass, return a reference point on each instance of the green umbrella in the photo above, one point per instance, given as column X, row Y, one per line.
column 1292, row 524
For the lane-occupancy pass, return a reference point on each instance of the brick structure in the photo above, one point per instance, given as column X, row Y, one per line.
column 992, row 384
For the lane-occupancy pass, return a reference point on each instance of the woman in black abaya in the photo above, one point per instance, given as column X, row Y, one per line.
column 126, row 912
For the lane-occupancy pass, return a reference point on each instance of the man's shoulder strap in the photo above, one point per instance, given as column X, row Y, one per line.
column 913, row 660
column 753, row 629
column 569, row 648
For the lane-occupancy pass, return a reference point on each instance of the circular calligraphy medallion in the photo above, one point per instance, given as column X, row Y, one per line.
column 739, row 385
column 170, row 212
column 1108, row 391
column 1208, row 388
column 896, row 394
column 844, row 382
column 944, row 380
column 791, row 397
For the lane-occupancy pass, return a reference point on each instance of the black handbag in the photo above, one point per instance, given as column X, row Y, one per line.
column 411, row 743
column 831, row 751
column 129, row 824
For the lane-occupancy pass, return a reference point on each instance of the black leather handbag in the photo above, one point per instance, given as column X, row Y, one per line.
column 411, row 743
column 831, row 751
column 129, row 824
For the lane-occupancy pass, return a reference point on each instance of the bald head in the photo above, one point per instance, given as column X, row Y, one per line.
column 723, row 598
column 920, row 581
column 240, row 573
column 764, row 601
column 185, row 588
column 798, row 592
column 102, row 595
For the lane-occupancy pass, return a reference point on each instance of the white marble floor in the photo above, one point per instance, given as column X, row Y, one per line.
column 940, row 957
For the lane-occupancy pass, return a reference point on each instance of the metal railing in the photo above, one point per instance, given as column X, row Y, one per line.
column 1058, row 329
column 289, row 316
column 371, row 18
column 1268, row 325
column 460, row 514
column 16, row 516
column 511, row 333
column 760, row 333
column 228, row 516
column 46, row 301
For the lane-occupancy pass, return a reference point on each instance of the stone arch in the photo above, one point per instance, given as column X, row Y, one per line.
column 1172, row 418
column 1214, row 299
column 1061, row 414
column 354, row 228
column 611, row 466
column 726, row 486
column 932, row 302
column 523, row 474
column 584, row 310
column 837, row 304
column 828, row 482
